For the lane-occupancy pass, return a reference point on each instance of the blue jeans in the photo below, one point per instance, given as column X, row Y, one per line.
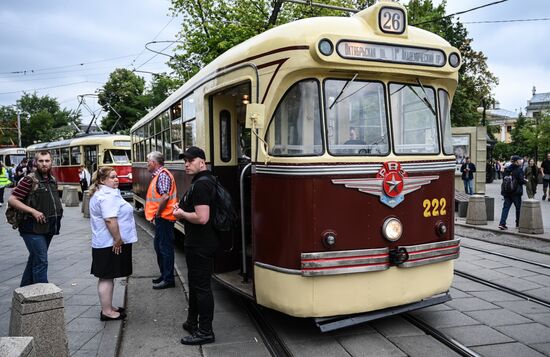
column 36, row 270
column 164, row 247
column 468, row 187
column 508, row 200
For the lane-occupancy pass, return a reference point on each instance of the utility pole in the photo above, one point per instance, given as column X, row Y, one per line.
column 19, row 128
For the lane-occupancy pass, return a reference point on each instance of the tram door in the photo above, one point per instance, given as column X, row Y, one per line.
column 90, row 158
column 227, row 112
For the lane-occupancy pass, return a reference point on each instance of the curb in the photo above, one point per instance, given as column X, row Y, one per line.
column 501, row 232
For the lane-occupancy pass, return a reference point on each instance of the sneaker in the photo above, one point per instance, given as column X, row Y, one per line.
column 157, row 280
column 164, row 285
column 502, row 227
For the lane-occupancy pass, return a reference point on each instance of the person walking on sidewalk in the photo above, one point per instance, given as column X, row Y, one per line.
column 36, row 196
column 512, row 190
column 113, row 232
column 498, row 168
column 4, row 181
column 531, row 178
column 200, row 245
column 468, row 169
column 545, row 171
column 159, row 204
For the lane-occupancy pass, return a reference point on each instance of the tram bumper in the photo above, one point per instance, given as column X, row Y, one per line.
column 332, row 288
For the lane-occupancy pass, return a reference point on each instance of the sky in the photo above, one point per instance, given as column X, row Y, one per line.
column 65, row 48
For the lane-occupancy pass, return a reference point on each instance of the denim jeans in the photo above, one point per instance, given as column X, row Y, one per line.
column 164, row 247
column 199, row 275
column 508, row 200
column 468, row 187
column 36, row 270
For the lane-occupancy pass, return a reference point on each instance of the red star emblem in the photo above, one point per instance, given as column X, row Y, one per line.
column 393, row 184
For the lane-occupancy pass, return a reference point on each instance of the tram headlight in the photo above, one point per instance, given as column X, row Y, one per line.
column 454, row 59
column 326, row 47
column 392, row 229
column 130, row 176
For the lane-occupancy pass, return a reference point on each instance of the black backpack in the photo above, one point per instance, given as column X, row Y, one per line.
column 224, row 216
column 509, row 184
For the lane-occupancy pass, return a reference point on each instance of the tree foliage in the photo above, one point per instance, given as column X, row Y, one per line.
column 161, row 86
column 8, row 126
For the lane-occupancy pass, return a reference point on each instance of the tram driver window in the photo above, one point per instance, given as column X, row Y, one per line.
column 356, row 117
column 295, row 129
column 414, row 119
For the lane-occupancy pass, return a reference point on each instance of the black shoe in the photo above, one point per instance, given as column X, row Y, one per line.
column 543, row 197
column 157, row 280
column 503, row 227
column 164, row 285
column 198, row 338
column 121, row 310
column 189, row 327
column 102, row 317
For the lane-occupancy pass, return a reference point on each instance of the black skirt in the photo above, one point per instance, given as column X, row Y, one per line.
column 108, row 265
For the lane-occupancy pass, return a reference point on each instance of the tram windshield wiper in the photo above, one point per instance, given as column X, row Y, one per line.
column 425, row 99
column 342, row 90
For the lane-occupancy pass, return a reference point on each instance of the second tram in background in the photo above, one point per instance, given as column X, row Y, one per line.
column 93, row 151
column 333, row 135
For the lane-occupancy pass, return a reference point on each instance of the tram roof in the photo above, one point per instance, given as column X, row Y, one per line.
column 79, row 140
column 304, row 32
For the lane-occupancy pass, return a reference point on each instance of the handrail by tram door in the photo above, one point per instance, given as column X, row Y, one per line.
column 243, row 227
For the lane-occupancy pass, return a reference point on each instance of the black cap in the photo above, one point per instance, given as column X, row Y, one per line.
column 516, row 158
column 193, row 152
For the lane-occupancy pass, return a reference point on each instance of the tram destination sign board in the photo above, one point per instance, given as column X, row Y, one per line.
column 391, row 53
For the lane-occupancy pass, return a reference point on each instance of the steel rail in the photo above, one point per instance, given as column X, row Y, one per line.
column 272, row 341
column 542, row 265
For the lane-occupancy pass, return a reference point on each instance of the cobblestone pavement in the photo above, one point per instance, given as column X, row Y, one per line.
column 70, row 258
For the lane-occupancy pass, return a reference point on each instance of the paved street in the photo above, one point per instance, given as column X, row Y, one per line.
column 70, row 259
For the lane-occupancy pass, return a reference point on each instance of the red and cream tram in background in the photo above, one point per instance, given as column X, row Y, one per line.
column 333, row 135
column 92, row 150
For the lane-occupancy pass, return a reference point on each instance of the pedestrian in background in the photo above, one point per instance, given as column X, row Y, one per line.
column 43, row 211
column 20, row 170
column 159, row 205
column 4, row 181
column 498, row 168
column 84, row 178
column 468, row 169
column 516, row 173
column 531, row 173
column 113, row 233
column 545, row 171
column 201, row 242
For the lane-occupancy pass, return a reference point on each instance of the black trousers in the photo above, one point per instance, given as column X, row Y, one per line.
column 199, row 275
column 2, row 194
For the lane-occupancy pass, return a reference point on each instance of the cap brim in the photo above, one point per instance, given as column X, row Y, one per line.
column 187, row 156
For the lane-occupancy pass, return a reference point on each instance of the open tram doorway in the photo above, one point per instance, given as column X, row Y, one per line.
column 230, row 152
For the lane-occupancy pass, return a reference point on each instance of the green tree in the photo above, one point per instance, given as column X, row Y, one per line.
column 123, row 98
column 8, row 126
column 161, row 86
column 42, row 119
column 211, row 27
column 475, row 80
column 532, row 138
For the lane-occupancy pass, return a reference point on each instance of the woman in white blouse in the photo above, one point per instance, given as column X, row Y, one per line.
column 113, row 232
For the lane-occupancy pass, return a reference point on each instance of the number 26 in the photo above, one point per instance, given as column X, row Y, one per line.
column 435, row 207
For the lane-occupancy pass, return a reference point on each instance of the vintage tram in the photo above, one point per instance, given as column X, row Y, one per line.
column 12, row 156
column 333, row 135
column 93, row 151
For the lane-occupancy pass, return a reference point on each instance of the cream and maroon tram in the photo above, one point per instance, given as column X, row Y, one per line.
column 93, row 151
column 333, row 135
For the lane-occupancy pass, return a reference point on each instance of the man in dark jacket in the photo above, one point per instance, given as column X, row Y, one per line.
column 36, row 196
column 515, row 171
column 468, row 169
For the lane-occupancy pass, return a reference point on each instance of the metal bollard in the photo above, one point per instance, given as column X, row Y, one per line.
column 477, row 213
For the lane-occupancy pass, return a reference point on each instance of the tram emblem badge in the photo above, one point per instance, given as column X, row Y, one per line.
column 391, row 183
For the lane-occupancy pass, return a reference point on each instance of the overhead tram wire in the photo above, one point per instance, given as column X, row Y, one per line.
column 154, row 38
column 499, row 21
column 459, row 13
column 38, row 89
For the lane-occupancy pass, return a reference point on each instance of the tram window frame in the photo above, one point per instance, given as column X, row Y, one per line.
column 225, row 135
column 190, row 137
column 176, row 130
column 361, row 146
column 75, row 160
column 65, row 156
column 396, row 140
column 446, row 131
column 272, row 136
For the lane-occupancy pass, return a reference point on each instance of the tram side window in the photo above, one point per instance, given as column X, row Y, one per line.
column 56, row 157
column 445, row 115
column 75, row 155
column 225, row 135
column 414, row 119
column 356, row 117
column 295, row 129
column 190, row 133
column 65, row 156
column 177, row 146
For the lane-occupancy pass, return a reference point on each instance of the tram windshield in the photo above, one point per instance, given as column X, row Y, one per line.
column 414, row 119
column 117, row 157
column 14, row 159
column 356, row 118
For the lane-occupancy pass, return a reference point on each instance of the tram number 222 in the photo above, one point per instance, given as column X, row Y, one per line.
column 434, row 207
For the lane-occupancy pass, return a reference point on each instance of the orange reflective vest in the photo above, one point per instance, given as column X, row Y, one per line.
column 153, row 199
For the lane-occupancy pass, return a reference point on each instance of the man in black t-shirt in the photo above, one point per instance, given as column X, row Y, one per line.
column 201, row 242
column 545, row 170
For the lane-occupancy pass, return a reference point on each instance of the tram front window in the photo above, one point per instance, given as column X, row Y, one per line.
column 414, row 119
column 356, row 118
column 117, row 157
